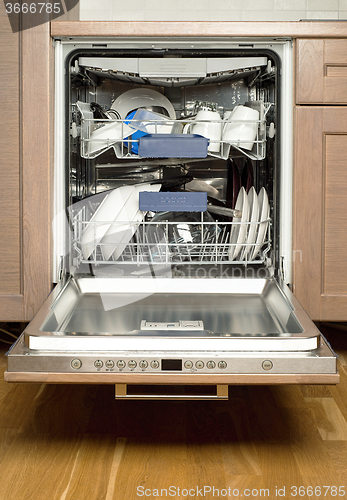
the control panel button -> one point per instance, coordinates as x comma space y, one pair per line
143, 364
267, 364
155, 363
222, 365
121, 363
132, 364
211, 364
98, 363
76, 364
188, 364
109, 363
199, 364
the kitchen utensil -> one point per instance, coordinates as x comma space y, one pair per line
200, 185
225, 212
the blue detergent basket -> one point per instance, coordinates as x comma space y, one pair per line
135, 136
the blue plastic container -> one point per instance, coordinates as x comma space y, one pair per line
173, 146
172, 201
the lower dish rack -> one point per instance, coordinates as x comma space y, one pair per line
165, 242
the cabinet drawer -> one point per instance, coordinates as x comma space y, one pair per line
321, 71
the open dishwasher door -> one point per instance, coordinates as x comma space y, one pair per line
165, 331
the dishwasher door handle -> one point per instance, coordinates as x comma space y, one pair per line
217, 392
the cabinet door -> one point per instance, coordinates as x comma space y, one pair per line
11, 299
25, 139
320, 212
321, 71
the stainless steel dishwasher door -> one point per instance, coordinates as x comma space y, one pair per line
93, 329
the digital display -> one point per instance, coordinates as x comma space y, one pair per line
171, 365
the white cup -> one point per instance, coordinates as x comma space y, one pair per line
241, 127
208, 124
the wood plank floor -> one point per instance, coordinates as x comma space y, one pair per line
77, 443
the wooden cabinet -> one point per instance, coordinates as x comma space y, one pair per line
320, 211
11, 298
320, 178
26, 69
321, 71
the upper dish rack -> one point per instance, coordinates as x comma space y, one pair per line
97, 136
165, 242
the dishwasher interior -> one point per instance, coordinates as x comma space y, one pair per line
167, 238
174, 254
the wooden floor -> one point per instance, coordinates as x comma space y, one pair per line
78, 443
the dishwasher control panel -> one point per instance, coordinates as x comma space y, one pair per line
149, 364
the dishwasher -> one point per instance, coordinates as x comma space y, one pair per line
172, 222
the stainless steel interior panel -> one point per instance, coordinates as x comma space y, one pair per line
237, 315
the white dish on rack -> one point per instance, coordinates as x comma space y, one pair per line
141, 98
125, 224
241, 127
102, 218
123, 236
264, 212
107, 135
253, 219
238, 232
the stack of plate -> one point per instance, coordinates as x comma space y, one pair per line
115, 221
248, 234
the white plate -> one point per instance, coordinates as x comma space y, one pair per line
103, 218
124, 226
238, 232
253, 219
124, 234
141, 98
264, 212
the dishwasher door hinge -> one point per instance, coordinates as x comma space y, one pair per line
281, 270
62, 268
